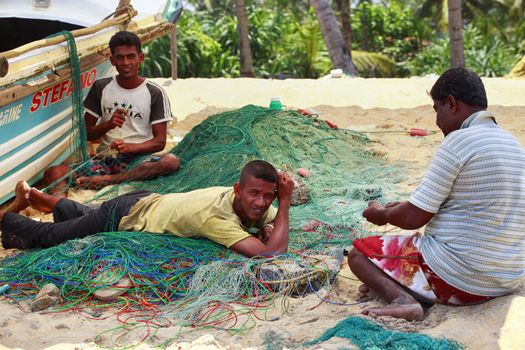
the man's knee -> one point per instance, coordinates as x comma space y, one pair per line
169, 163
354, 257
55, 172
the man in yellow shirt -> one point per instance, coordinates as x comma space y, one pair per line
221, 214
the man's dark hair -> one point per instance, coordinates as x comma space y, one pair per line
465, 85
124, 38
259, 169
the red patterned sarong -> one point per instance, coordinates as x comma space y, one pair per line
399, 257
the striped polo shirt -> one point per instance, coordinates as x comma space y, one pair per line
475, 186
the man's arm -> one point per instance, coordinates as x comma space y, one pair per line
277, 243
404, 215
156, 144
94, 131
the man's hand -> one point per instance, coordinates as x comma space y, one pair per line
264, 233
376, 213
121, 146
284, 189
117, 119
404, 215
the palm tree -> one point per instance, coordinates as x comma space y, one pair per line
339, 53
455, 29
245, 51
344, 8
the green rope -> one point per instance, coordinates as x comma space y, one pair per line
370, 336
78, 144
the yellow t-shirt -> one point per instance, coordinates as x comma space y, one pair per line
205, 213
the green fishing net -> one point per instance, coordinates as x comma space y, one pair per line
196, 281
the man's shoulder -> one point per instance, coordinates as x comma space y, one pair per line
486, 135
102, 82
155, 89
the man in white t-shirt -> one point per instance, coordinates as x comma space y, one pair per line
129, 115
472, 201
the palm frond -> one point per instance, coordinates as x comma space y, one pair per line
377, 63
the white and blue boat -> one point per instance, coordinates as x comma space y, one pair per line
44, 79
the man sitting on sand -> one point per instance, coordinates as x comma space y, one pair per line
221, 214
473, 202
129, 114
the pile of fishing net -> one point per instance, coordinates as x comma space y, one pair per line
195, 280
368, 335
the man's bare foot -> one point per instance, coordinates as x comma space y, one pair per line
367, 294
410, 311
22, 188
41, 201
94, 182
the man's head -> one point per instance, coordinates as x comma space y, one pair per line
126, 54
256, 190
457, 94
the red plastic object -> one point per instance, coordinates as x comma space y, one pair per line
303, 172
418, 132
330, 124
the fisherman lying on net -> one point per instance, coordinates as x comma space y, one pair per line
472, 201
129, 114
221, 214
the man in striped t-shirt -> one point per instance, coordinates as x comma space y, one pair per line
472, 201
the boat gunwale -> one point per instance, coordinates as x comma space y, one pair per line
17, 91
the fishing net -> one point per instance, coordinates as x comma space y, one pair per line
195, 281
368, 335
78, 144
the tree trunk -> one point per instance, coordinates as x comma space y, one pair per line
455, 29
174, 52
244, 41
344, 8
333, 38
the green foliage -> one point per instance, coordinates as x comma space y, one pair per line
393, 30
389, 39
208, 47
373, 64
157, 58
487, 56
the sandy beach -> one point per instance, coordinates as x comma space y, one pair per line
384, 109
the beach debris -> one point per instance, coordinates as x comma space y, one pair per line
112, 292
330, 124
309, 112
48, 296
300, 193
275, 104
111, 283
311, 226
336, 73
4, 288
418, 132
303, 172
298, 278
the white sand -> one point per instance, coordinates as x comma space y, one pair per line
361, 104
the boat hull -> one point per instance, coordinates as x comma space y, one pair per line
35, 131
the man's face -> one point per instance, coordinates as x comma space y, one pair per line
253, 197
127, 60
444, 117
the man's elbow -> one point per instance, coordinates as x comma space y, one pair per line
271, 252
158, 146
91, 136
266, 253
